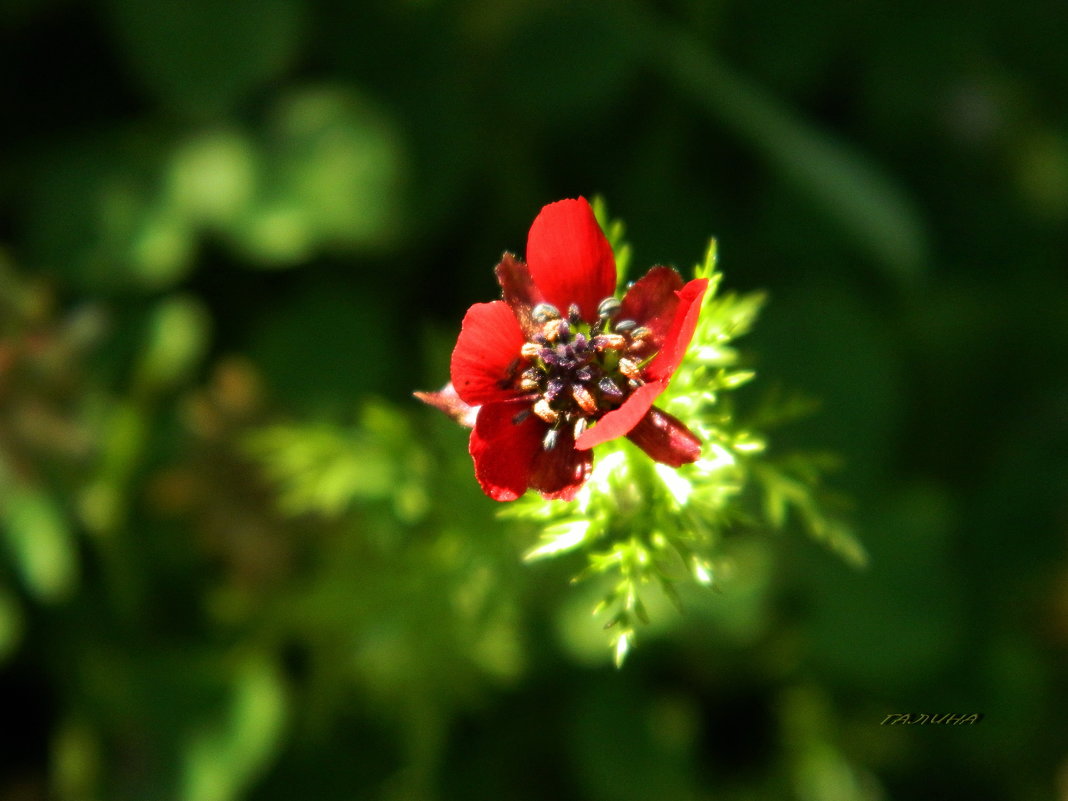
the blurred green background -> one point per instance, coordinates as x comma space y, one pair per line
239, 562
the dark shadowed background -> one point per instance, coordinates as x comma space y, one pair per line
237, 561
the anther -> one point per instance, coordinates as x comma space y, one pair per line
519, 418
544, 312
604, 342
555, 329
630, 368
608, 308
623, 326
530, 380
546, 412
530, 350
583, 374
549, 442
580, 426
583, 398
641, 332
609, 389
574, 314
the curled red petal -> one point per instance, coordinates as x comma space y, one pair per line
570, 258
619, 422
665, 439
509, 457
486, 355
560, 473
678, 337
652, 302
519, 291
503, 451
449, 402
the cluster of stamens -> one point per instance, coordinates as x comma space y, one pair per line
577, 371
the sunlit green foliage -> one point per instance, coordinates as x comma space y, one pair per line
648, 525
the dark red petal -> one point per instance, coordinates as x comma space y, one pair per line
560, 473
652, 302
504, 451
487, 354
673, 348
449, 402
620, 421
570, 258
519, 291
665, 439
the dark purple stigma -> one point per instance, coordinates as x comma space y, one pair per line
553, 389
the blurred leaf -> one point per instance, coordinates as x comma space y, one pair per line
11, 623
176, 339
865, 201
40, 542
212, 176
221, 760
97, 219
573, 39
202, 57
333, 173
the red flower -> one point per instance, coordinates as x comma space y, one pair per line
561, 365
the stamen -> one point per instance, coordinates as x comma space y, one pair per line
546, 412
608, 308
555, 329
530, 380
630, 368
583, 398
609, 389
549, 442
623, 326
544, 312
580, 426
530, 350
583, 374
574, 314
603, 342
641, 332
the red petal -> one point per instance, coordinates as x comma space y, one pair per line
652, 302
487, 354
620, 421
504, 451
509, 456
673, 348
449, 402
665, 439
519, 291
570, 258
561, 472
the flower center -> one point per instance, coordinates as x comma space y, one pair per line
578, 371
